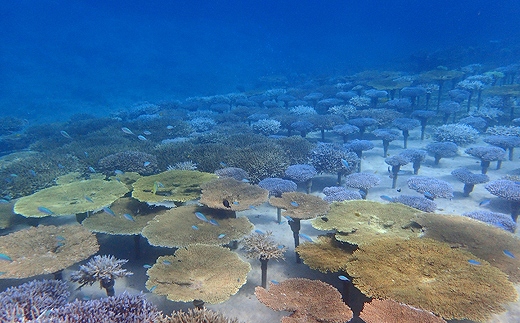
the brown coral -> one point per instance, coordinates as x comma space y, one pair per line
196, 316
299, 205
390, 311
208, 273
432, 276
229, 194
45, 250
326, 254
309, 300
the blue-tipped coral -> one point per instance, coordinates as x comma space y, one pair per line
104, 269
509, 190
330, 158
301, 173
469, 179
417, 202
431, 187
362, 181
500, 220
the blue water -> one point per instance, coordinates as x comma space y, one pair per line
61, 57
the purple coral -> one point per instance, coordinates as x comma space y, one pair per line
331, 158
423, 116
345, 130
487, 155
339, 193
469, 179
387, 136
504, 142
460, 134
362, 181
500, 220
277, 186
442, 150
362, 124
395, 162
405, 125
415, 156
301, 173
417, 202
431, 187
448, 108
234, 172
508, 190
358, 146
129, 161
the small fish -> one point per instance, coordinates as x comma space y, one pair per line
32, 172
274, 282
236, 203
91, 169
159, 184
474, 262
223, 164
295, 204
386, 198
508, 253
325, 219
153, 288
88, 199
398, 190
60, 238
86, 154
245, 180
5, 257
429, 195
343, 278
118, 172
259, 231
226, 203
213, 222
65, 134
147, 132
60, 166
281, 246
146, 163
194, 227
127, 131
129, 217
222, 235
14, 175
141, 137
305, 237
4, 201
252, 207
155, 188
345, 163
167, 262
484, 203
169, 127
45, 210
109, 211
147, 266
201, 217
289, 219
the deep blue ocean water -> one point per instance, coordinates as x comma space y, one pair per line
62, 57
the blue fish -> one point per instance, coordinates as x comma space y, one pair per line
86, 154
474, 262
281, 246
88, 199
259, 231
245, 180
60, 238
295, 204
153, 288
147, 132
386, 198
32, 172
159, 184
118, 172
127, 131
429, 195
485, 202
91, 169
305, 237
4, 201
201, 217
222, 235
147, 266
142, 138
60, 166
223, 164
213, 222
274, 282
252, 207
65, 134
508, 253
194, 227
3, 256
109, 211
146, 163
345, 163
289, 219
129, 217
235, 202
167, 262
45, 210
343, 278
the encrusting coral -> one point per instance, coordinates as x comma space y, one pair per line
45, 250
72, 198
261, 246
310, 301
432, 276
199, 272
104, 269
390, 311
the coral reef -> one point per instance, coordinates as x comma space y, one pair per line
442, 150
301, 173
469, 179
395, 268
390, 311
362, 181
309, 300
459, 134
339, 193
102, 269
129, 161
487, 155
431, 187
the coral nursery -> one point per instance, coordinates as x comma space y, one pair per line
378, 192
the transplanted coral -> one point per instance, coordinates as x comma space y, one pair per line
504, 142
234, 172
170, 187
388, 310
309, 300
102, 269
459, 134
45, 250
396, 162
423, 116
487, 155
180, 227
417, 202
196, 315
229, 194
509, 190
199, 272
432, 276
415, 156
129, 161
431, 187
442, 150
277, 186
345, 130
299, 205
500, 220
469, 179
331, 158
405, 125
326, 254
72, 198
340, 193
362, 181
302, 173
361, 221
387, 135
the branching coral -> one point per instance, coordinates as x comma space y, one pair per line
328, 158
234, 172
459, 134
405, 125
277, 186
301, 173
339, 193
509, 190
500, 220
104, 269
487, 155
310, 300
417, 202
362, 181
469, 179
196, 316
387, 136
504, 142
442, 150
390, 311
431, 187
423, 116
396, 162
345, 130
415, 156
129, 161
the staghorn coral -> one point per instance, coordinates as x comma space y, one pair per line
27, 301
45, 250
129, 161
387, 136
301, 173
326, 254
309, 300
229, 194
390, 311
361, 221
442, 150
459, 134
184, 165
104, 269
198, 272
296, 148
261, 246
431, 187
415, 272
362, 181
500, 220
487, 155
340, 193
469, 179
266, 126
509, 190
325, 122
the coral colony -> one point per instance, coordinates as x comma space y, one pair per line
336, 158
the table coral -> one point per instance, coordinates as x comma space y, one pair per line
229, 194
390, 311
